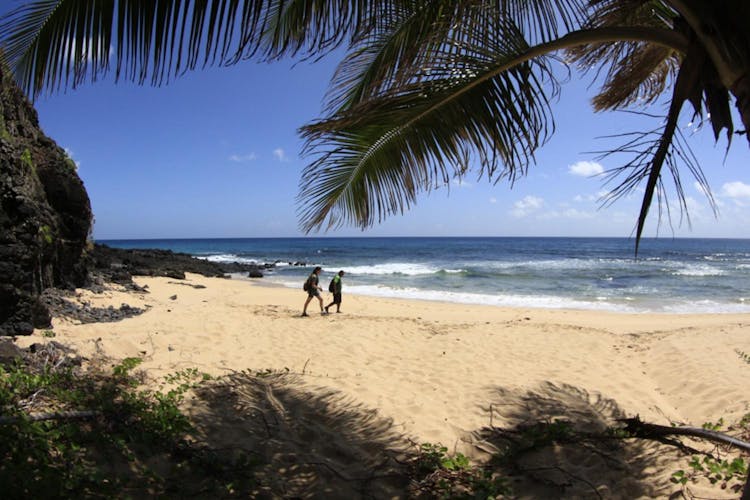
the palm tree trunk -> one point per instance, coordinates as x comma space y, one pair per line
741, 91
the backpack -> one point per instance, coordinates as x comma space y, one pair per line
306, 286
332, 286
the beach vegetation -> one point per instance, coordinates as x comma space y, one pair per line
435, 456
724, 473
70, 163
743, 356
711, 426
545, 433
45, 234
427, 91
66, 433
438, 474
26, 159
719, 469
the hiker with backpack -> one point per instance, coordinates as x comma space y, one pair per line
335, 288
313, 290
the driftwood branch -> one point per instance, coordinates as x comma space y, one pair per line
638, 428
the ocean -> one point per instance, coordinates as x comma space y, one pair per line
669, 275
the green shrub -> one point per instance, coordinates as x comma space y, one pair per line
99, 436
26, 159
440, 475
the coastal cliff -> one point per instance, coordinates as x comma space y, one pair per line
45, 215
45, 223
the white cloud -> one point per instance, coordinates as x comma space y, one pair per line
593, 198
461, 183
280, 154
585, 169
243, 158
573, 213
493, 200
698, 187
736, 189
694, 206
524, 207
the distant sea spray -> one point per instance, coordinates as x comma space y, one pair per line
669, 276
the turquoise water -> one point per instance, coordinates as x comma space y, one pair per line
669, 275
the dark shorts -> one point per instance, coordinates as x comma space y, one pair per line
313, 292
337, 298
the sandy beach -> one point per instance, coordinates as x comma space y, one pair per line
350, 390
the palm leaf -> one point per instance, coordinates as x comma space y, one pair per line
313, 27
398, 47
635, 72
396, 53
465, 89
640, 74
651, 156
60, 43
374, 158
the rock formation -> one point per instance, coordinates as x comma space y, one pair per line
45, 215
45, 221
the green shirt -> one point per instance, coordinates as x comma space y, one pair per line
337, 284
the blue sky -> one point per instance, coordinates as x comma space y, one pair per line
216, 154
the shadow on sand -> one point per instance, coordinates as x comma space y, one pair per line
559, 441
307, 442
552, 442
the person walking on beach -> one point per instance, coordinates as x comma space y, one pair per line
313, 290
335, 288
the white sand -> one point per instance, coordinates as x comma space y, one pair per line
440, 373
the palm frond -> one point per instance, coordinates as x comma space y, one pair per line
399, 47
391, 49
635, 72
640, 148
650, 157
639, 75
543, 20
630, 13
452, 89
312, 27
61, 43
374, 158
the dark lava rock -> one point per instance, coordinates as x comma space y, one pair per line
9, 352
120, 265
62, 305
45, 215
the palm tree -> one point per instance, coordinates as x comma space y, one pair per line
427, 90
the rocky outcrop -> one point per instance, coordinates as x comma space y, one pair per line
45, 215
45, 221
119, 265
